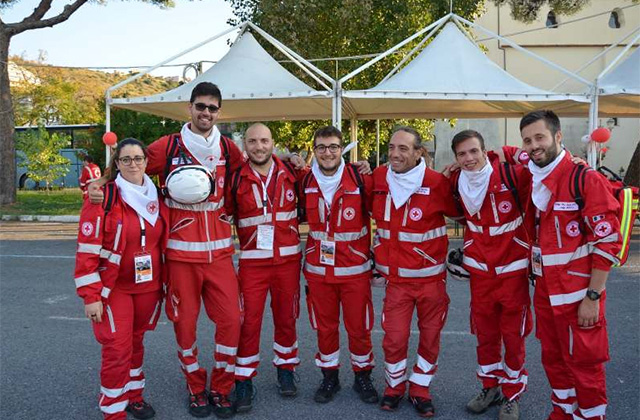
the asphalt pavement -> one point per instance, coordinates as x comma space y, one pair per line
49, 359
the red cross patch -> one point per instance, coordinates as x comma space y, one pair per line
415, 214
87, 228
504, 207
152, 207
573, 229
603, 229
290, 195
221, 182
349, 213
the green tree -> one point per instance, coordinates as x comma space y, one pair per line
36, 20
43, 160
338, 28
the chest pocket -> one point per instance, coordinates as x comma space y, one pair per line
379, 202
349, 206
567, 225
415, 216
314, 200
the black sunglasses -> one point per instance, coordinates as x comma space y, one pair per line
201, 107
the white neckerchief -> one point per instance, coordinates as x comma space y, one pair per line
207, 151
540, 193
403, 186
473, 186
142, 198
328, 183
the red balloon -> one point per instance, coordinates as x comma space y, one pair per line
109, 138
600, 135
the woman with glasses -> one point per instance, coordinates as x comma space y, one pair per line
118, 275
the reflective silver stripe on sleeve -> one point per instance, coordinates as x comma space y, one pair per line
384, 233
87, 280
105, 292
507, 227
198, 246
474, 228
384, 269
110, 256
567, 298
422, 272
204, 206
254, 221
606, 255
89, 248
422, 237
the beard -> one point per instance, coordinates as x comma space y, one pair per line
549, 155
260, 162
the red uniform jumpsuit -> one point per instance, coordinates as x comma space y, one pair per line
496, 254
105, 271
347, 283
410, 247
200, 269
573, 242
90, 173
276, 271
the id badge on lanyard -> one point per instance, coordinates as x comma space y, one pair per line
266, 233
142, 260
328, 252
536, 251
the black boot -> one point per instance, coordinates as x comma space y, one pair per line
244, 396
364, 387
329, 386
286, 383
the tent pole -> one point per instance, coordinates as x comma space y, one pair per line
377, 143
107, 126
622, 53
592, 158
353, 128
338, 122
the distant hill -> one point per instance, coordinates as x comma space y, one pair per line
71, 96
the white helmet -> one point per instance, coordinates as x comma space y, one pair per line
189, 184
454, 265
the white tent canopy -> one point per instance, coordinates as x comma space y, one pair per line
254, 86
452, 77
619, 90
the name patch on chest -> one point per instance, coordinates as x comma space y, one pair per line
310, 190
424, 191
565, 206
181, 161
354, 192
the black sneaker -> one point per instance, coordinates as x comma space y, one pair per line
390, 402
286, 383
423, 406
222, 406
198, 405
141, 410
244, 396
364, 387
329, 386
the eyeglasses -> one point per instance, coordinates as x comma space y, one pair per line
201, 107
321, 148
127, 160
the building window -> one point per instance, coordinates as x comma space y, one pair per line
616, 19
552, 21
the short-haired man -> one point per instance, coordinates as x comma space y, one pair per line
496, 254
574, 246
262, 197
199, 266
90, 172
338, 264
410, 246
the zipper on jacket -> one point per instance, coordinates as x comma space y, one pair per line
321, 209
281, 195
387, 208
424, 255
98, 227
117, 240
558, 236
155, 312
406, 212
495, 209
251, 238
340, 213
524, 322
358, 253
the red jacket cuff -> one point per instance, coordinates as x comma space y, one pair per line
601, 263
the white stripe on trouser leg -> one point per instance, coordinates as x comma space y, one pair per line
484, 370
567, 408
247, 360
596, 411
563, 394
114, 408
228, 367
362, 361
395, 373
191, 368
136, 385
328, 360
424, 365
113, 392
244, 371
291, 361
135, 372
229, 351
282, 349
187, 352
422, 379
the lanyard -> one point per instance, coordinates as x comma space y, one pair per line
143, 233
537, 222
265, 196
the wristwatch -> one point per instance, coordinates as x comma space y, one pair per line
593, 295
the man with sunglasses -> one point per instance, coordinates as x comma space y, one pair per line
199, 250
336, 200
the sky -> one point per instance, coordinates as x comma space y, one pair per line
125, 33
